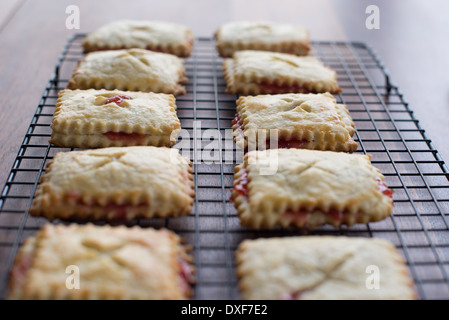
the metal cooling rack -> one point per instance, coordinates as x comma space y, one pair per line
385, 127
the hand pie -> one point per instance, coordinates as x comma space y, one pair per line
102, 118
151, 35
117, 184
322, 268
307, 188
306, 121
113, 263
256, 72
266, 36
131, 69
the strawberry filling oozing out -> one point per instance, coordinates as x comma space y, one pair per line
241, 187
384, 188
281, 143
125, 137
185, 275
273, 88
18, 273
118, 99
291, 295
300, 216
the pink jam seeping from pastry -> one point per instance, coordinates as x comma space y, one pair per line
18, 273
118, 99
300, 216
122, 136
241, 186
125, 137
384, 188
185, 275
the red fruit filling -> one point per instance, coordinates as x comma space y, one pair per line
274, 88
125, 137
118, 99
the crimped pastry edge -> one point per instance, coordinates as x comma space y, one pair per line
76, 82
245, 245
183, 50
57, 206
316, 217
180, 250
73, 134
249, 84
317, 140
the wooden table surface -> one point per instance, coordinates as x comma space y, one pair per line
411, 42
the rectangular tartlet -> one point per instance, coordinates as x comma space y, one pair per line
116, 184
102, 118
157, 36
87, 262
308, 188
252, 72
132, 70
322, 268
306, 121
267, 36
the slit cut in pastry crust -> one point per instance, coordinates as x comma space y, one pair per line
322, 268
265, 36
252, 72
308, 188
87, 262
115, 184
130, 69
304, 121
101, 118
151, 35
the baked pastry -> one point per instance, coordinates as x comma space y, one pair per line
322, 268
112, 263
252, 72
267, 36
295, 120
308, 188
116, 184
130, 69
102, 118
151, 35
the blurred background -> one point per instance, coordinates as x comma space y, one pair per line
411, 41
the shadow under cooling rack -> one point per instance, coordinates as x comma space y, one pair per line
385, 128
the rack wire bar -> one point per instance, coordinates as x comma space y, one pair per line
385, 128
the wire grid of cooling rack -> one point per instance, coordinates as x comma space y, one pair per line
385, 127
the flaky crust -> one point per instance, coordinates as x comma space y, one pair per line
315, 182
151, 35
316, 118
113, 263
130, 69
82, 118
321, 268
115, 183
252, 72
266, 36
